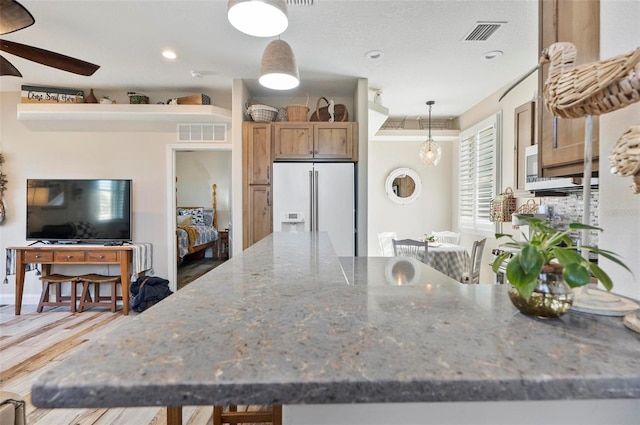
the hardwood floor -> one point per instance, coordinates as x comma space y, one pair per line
191, 270
33, 343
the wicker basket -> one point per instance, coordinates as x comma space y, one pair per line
298, 112
590, 89
503, 206
262, 113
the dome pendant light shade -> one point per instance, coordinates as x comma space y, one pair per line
430, 151
259, 18
279, 70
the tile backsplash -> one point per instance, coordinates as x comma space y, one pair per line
568, 209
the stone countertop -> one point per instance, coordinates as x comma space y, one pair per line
284, 323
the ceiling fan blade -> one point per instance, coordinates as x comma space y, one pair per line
6, 68
13, 16
48, 58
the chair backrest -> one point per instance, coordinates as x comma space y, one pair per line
410, 248
447, 236
386, 246
476, 260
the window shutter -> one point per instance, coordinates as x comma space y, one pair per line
478, 170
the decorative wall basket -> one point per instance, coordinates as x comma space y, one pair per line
503, 206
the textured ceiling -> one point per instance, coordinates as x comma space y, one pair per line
424, 55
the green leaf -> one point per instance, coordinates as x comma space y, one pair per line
530, 259
566, 256
581, 226
602, 276
498, 261
576, 274
520, 278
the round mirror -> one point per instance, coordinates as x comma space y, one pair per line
403, 185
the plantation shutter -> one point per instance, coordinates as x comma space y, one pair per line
478, 182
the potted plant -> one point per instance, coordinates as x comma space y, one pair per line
548, 265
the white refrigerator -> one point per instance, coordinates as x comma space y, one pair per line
316, 197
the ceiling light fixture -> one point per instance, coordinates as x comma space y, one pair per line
278, 69
259, 18
169, 54
430, 152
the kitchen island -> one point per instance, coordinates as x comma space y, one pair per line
288, 322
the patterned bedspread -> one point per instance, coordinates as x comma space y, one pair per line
205, 235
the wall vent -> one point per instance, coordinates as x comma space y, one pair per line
483, 30
202, 132
300, 2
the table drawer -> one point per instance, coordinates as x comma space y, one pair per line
38, 256
69, 256
102, 256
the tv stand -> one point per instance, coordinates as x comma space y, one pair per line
73, 255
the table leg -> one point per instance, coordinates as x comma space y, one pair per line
125, 276
20, 266
174, 415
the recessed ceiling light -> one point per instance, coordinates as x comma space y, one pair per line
494, 54
169, 54
374, 55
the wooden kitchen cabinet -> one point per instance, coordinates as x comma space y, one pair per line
561, 141
524, 137
256, 192
315, 141
258, 213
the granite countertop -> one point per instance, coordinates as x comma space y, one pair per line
288, 322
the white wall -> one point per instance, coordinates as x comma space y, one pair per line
196, 172
619, 207
430, 211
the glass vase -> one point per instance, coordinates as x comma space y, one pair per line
552, 297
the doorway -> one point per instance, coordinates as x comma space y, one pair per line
193, 170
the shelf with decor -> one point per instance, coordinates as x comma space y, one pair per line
121, 112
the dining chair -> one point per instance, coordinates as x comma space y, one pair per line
386, 245
447, 236
475, 262
410, 248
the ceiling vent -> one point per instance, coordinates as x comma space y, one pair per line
483, 30
300, 2
202, 132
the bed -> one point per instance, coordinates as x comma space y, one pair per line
196, 228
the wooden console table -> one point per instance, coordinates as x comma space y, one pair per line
73, 254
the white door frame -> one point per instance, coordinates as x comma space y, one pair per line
171, 200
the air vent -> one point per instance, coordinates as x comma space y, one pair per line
483, 30
202, 132
300, 2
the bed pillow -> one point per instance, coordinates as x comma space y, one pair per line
197, 214
184, 220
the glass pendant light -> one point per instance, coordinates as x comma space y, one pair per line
430, 151
259, 18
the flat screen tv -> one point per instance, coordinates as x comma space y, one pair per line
83, 211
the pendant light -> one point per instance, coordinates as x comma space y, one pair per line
278, 69
259, 18
430, 151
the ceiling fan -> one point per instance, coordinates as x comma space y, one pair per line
14, 17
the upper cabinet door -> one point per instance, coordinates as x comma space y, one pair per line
561, 141
257, 145
334, 141
293, 140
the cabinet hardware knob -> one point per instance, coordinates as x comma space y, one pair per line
311, 152
37, 256
69, 257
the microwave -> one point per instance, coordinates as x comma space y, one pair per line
535, 183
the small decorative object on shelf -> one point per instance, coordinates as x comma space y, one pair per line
543, 271
91, 98
625, 156
3, 187
37, 94
105, 100
137, 98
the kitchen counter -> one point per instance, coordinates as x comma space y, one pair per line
288, 322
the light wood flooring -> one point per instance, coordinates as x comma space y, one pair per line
33, 343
